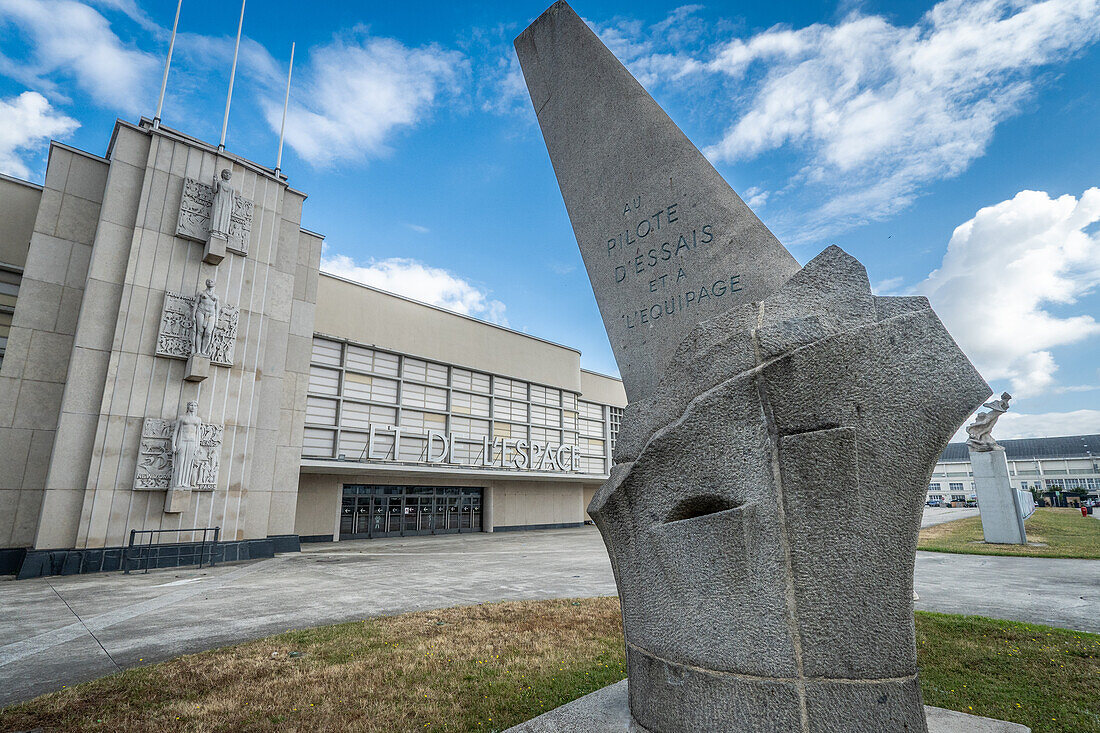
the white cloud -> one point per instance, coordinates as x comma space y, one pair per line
356, 92
26, 122
1004, 269
1047, 424
71, 39
421, 282
657, 53
756, 197
130, 9
418, 228
879, 110
888, 286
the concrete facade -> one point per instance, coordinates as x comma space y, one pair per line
88, 259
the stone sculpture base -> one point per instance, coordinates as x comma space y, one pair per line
215, 250
1002, 520
198, 368
176, 500
608, 711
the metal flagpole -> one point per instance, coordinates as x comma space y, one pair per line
232, 75
167, 63
286, 103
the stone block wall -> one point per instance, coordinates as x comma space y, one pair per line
40, 347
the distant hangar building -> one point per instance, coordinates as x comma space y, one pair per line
1051, 466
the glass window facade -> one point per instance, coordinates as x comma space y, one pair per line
353, 388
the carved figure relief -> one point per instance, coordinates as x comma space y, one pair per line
182, 334
185, 447
163, 447
221, 208
217, 208
204, 315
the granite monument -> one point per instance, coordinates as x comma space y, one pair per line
782, 425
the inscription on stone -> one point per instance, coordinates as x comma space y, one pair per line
194, 216
655, 250
665, 240
154, 467
177, 325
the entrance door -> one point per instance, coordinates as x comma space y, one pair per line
402, 511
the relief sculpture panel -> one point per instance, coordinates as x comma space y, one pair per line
154, 467
195, 212
177, 324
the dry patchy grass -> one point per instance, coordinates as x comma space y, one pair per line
1056, 533
483, 667
488, 667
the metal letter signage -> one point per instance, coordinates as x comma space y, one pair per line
176, 326
154, 467
194, 216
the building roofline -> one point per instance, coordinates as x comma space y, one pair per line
449, 312
145, 125
78, 151
20, 181
1061, 447
601, 374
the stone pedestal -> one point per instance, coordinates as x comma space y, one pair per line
198, 368
214, 252
607, 711
176, 500
1002, 521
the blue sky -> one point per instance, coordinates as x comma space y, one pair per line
950, 146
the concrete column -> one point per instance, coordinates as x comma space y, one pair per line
487, 509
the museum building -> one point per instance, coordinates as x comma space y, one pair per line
172, 359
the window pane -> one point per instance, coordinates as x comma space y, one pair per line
357, 415
363, 387
509, 410
324, 381
546, 435
321, 411
463, 403
423, 421
469, 427
318, 443
326, 352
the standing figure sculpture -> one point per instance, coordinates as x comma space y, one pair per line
185, 447
221, 210
981, 430
204, 317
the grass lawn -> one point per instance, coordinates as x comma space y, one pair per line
488, 667
1062, 532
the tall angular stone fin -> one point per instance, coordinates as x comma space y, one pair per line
666, 241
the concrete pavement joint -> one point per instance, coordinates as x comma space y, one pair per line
36, 644
90, 633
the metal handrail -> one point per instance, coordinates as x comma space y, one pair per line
147, 551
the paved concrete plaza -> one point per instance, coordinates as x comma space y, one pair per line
57, 631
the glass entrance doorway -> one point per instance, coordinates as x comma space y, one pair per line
403, 511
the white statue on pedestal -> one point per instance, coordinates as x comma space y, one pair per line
205, 319
185, 447
981, 430
221, 209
